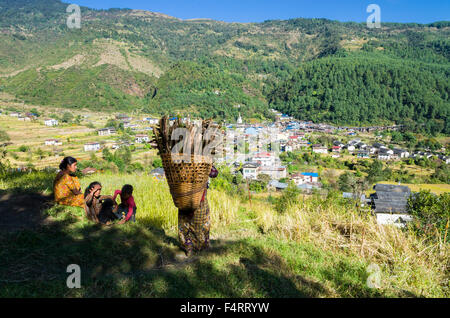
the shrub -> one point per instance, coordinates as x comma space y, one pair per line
288, 198
67, 117
157, 163
441, 174
4, 136
431, 212
24, 148
256, 186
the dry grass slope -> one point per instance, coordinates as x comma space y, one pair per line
407, 262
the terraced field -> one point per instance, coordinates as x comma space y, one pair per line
33, 135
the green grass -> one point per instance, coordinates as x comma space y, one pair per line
318, 248
139, 261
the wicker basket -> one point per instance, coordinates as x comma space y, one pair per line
187, 180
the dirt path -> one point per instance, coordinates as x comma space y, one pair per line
22, 211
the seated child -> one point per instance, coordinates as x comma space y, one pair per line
99, 207
126, 210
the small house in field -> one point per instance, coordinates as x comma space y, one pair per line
378, 145
141, 139
53, 142
92, 146
14, 114
151, 121
106, 131
390, 204
320, 149
337, 149
400, 153
338, 143
127, 124
50, 122
24, 118
385, 154
32, 116
363, 154
444, 159
351, 148
123, 117
305, 177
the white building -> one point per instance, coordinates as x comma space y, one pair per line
320, 149
372, 150
400, 153
123, 117
396, 219
250, 170
239, 120
140, 139
265, 159
24, 118
51, 122
385, 153
444, 159
305, 177
275, 173
151, 121
289, 147
106, 131
92, 146
351, 148
53, 142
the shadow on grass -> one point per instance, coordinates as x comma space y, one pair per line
133, 260
138, 261
19, 211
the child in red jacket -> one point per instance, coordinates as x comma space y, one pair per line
126, 210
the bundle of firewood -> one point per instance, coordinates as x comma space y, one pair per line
187, 179
196, 135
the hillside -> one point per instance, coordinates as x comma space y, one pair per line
189, 87
318, 247
129, 58
367, 90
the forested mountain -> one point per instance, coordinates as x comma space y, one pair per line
357, 90
312, 68
192, 88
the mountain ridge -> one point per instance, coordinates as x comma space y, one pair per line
263, 55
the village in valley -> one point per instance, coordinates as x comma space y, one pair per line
262, 154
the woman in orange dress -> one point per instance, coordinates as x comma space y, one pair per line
67, 187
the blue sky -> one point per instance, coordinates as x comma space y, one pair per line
420, 11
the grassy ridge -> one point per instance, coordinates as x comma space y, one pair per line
320, 247
104, 87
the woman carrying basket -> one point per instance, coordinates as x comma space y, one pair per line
188, 179
194, 226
